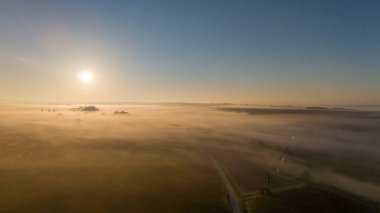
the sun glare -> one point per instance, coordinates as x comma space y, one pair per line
86, 76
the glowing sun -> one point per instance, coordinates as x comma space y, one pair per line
86, 76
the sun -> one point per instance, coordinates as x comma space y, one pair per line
86, 77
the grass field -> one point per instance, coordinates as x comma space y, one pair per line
156, 158
308, 199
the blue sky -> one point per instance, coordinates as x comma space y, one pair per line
264, 52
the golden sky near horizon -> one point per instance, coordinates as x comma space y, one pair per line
280, 54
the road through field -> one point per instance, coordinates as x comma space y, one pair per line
235, 202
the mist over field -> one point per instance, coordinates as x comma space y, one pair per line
158, 157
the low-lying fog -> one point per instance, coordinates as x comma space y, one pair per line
159, 146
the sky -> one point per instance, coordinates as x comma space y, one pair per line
283, 52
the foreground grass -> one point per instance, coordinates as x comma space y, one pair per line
153, 188
309, 199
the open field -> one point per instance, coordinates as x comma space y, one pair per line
308, 199
343, 142
157, 158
